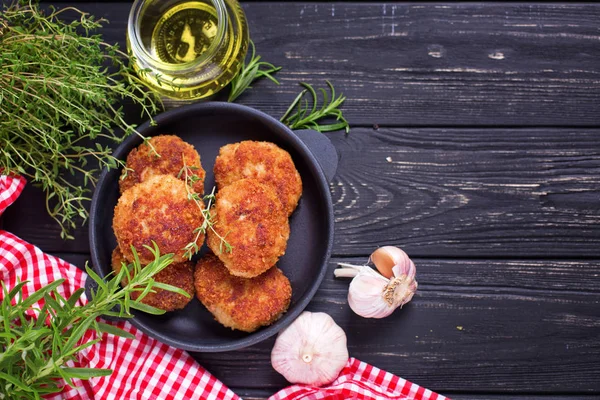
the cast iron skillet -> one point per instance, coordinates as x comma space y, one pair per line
208, 126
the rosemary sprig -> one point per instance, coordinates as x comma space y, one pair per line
251, 72
35, 354
60, 90
300, 115
208, 220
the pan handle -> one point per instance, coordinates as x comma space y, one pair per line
323, 150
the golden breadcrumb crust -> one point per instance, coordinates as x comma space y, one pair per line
240, 303
158, 210
143, 163
263, 161
251, 218
176, 274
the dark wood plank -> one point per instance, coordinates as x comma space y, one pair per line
427, 64
445, 192
545, 274
469, 192
519, 326
27, 218
78, 260
459, 336
438, 64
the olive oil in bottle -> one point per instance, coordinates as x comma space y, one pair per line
184, 32
188, 49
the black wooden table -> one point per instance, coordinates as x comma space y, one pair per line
475, 146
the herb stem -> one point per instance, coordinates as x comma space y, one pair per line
251, 72
36, 354
208, 219
302, 114
58, 94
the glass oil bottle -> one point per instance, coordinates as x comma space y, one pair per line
187, 50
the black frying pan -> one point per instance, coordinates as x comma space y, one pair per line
208, 126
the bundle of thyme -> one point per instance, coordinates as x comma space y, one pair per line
35, 354
60, 90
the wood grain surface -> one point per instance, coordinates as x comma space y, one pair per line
475, 145
469, 192
426, 64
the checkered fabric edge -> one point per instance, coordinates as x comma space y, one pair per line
10, 189
359, 380
143, 368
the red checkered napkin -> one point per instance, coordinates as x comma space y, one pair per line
359, 380
144, 368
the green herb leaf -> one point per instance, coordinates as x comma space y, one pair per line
251, 72
146, 308
113, 330
75, 296
40, 293
35, 353
302, 114
171, 288
86, 373
57, 98
15, 382
79, 331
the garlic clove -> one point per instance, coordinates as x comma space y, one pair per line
387, 257
311, 351
405, 269
365, 296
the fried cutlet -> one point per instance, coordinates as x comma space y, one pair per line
176, 274
158, 210
263, 161
251, 218
143, 163
239, 303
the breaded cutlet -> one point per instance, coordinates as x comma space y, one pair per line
251, 218
264, 161
239, 303
157, 209
143, 163
176, 274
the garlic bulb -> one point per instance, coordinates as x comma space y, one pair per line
372, 295
311, 351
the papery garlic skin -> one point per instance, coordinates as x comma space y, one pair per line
311, 351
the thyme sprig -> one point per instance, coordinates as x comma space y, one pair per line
300, 115
60, 90
251, 72
208, 218
36, 353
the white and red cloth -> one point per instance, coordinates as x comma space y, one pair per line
144, 368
